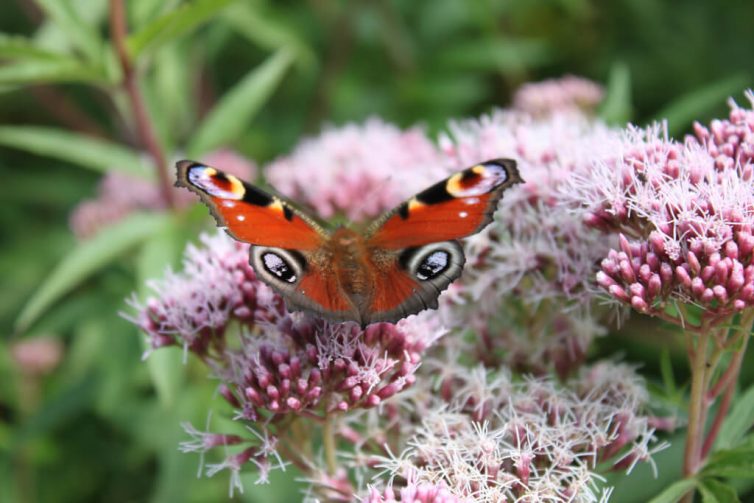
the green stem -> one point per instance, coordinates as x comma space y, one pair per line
696, 406
328, 442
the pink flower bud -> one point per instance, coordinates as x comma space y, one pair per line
636, 289
272, 392
639, 304
645, 272
293, 403
654, 286
731, 249
697, 286
253, 396
604, 280
707, 273
625, 245
666, 272
355, 394
721, 293
707, 295
693, 262
619, 293
626, 271
682, 276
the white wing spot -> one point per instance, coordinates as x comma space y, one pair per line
240, 218
463, 214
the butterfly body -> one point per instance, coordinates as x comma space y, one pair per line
398, 266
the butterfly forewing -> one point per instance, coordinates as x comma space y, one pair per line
457, 207
248, 213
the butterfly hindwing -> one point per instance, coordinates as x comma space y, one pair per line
248, 213
302, 279
458, 206
413, 280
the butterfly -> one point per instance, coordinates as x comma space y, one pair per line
397, 266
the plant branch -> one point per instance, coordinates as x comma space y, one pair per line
727, 382
328, 443
147, 135
696, 406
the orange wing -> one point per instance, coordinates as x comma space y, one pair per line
413, 280
458, 206
248, 213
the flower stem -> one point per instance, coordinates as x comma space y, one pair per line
692, 453
328, 442
146, 132
727, 382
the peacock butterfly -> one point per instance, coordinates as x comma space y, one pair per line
396, 267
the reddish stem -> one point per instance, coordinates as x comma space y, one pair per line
147, 135
728, 382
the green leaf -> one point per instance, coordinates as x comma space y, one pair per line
616, 107
49, 71
674, 492
666, 368
174, 24
85, 151
739, 421
732, 463
64, 406
86, 259
82, 34
17, 47
500, 54
682, 111
714, 491
162, 250
261, 29
232, 114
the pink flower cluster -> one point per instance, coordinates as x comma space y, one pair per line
538, 251
485, 437
302, 363
193, 308
685, 214
286, 362
359, 171
120, 195
421, 492
565, 94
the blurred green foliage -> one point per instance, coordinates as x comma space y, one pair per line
258, 75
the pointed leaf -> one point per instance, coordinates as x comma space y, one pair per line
714, 491
501, 54
166, 366
674, 493
87, 258
264, 30
17, 47
681, 112
616, 107
88, 152
174, 24
739, 421
232, 114
82, 34
49, 71
732, 463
